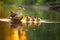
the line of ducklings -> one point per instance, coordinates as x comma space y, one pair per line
27, 20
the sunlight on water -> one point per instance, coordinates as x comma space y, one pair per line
24, 21
23, 35
15, 35
5, 20
45, 21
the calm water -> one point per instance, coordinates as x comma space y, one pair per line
45, 31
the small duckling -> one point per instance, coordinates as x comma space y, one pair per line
28, 18
33, 18
37, 19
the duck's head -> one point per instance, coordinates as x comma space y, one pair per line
21, 8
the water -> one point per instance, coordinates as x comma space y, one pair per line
48, 30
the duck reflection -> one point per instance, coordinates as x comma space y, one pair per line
20, 26
19, 31
16, 24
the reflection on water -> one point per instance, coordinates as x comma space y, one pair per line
23, 35
9, 33
45, 31
18, 33
15, 34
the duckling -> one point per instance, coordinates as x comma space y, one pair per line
33, 18
37, 19
28, 18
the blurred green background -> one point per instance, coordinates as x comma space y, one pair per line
43, 32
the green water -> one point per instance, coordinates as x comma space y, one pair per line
45, 31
